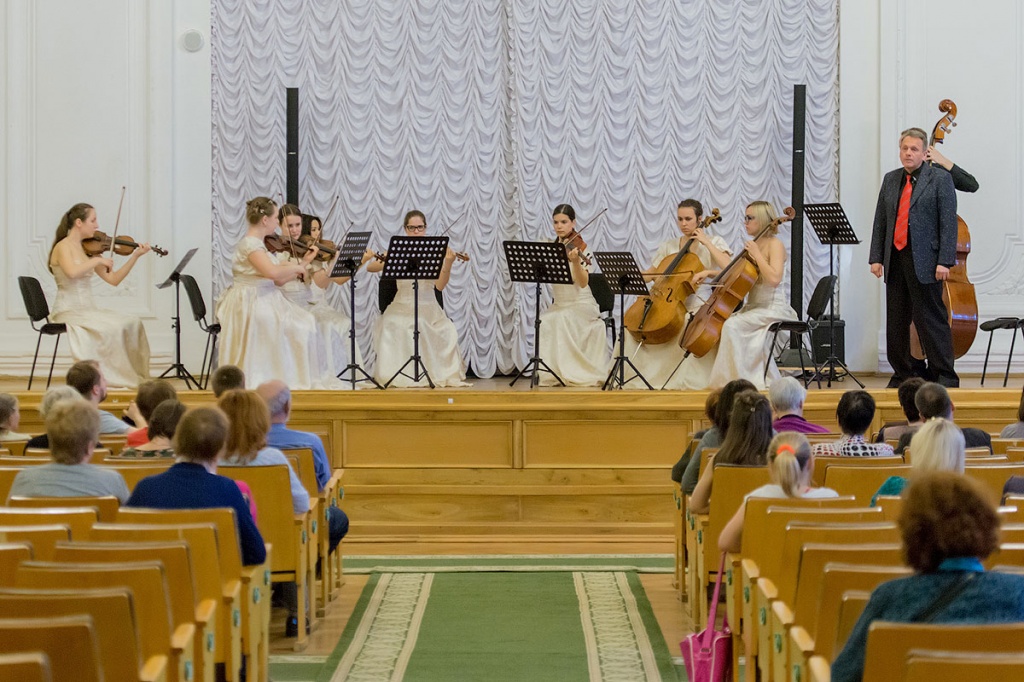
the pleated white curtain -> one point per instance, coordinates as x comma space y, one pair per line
498, 110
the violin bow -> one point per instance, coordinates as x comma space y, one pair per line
117, 222
452, 224
591, 221
330, 212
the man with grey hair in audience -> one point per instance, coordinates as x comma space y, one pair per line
932, 400
51, 398
279, 401
786, 396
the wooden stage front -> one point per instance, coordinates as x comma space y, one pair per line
463, 465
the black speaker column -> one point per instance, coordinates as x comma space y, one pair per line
292, 146
796, 285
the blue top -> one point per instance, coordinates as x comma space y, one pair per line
893, 485
282, 438
989, 598
191, 486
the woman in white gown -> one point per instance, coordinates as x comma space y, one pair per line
573, 340
262, 332
744, 345
439, 340
658, 361
116, 340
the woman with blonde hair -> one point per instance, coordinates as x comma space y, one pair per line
790, 465
10, 417
939, 445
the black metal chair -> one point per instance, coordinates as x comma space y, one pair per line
605, 298
387, 289
195, 299
37, 309
1011, 323
816, 309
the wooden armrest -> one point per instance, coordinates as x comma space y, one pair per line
782, 611
801, 640
206, 611
768, 591
154, 669
751, 571
820, 670
181, 638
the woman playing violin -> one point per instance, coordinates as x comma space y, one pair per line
263, 333
118, 341
439, 340
573, 340
657, 361
743, 348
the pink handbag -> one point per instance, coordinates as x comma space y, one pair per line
707, 655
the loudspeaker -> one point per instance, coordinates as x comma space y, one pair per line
292, 146
820, 340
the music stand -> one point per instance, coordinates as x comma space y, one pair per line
415, 258
539, 263
833, 228
180, 372
350, 257
623, 275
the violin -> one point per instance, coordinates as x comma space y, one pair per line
732, 285
574, 241
279, 243
659, 318
122, 245
326, 250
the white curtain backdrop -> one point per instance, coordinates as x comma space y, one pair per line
498, 110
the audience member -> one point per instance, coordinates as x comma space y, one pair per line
52, 396
936, 446
193, 483
790, 465
149, 394
1016, 430
933, 400
710, 405
716, 434
787, 396
86, 378
855, 412
906, 393
226, 378
948, 526
163, 422
746, 444
73, 430
10, 416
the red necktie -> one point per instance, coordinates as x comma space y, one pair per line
899, 240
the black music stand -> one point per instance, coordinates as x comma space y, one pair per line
180, 372
623, 275
415, 258
539, 263
350, 257
833, 228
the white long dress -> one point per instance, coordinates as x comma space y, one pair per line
573, 338
743, 348
117, 341
262, 332
439, 340
657, 361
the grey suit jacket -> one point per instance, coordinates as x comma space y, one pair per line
932, 221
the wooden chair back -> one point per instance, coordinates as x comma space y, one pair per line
821, 464
1001, 445
22, 461
42, 539
994, 476
851, 606
813, 438
7, 474
301, 460
891, 506
98, 454
889, 644
106, 506
70, 643
861, 481
11, 556
78, 519
729, 485
1015, 453
705, 455
15, 447
30, 666
1011, 533
113, 444
756, 540
133, 473
813, 559
929, 666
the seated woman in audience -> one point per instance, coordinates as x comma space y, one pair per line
716, 434
906, 393
790, 465
160, 432
948, 526
787, 396
193, 483
147, 397
855, 412
746, 444
710, 404
9, 418
1016, 430
937, 446
50, 399
73, 429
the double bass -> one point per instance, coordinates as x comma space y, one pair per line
659, 318
731, 286
957, 291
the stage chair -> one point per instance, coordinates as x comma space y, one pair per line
106, 506
42, 539
861, 481
148, 584
78, 519
245, 589
927, 666
817, 306
186, 607
37, 309
993, 476
823, 463
115, 622
889, 644
195, 299
990, 326
289, 533
70, 643
33, 666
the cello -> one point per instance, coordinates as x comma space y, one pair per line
957, 291
659, 318
732, 285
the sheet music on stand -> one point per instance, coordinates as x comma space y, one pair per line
350, 254
624, 277
178, 269
350, 257
178, 367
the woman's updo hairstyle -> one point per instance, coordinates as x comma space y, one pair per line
259, 208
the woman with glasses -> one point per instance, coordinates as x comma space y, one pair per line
439, 341
744, 346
